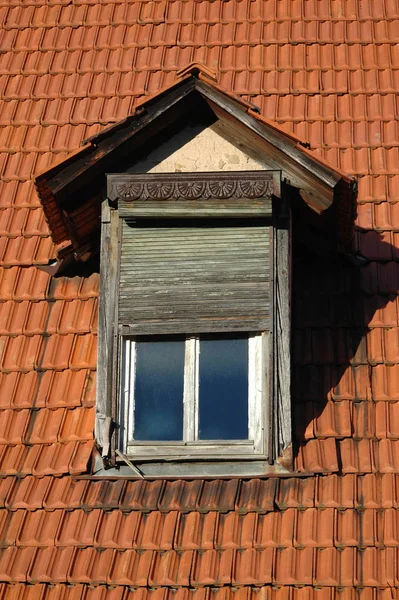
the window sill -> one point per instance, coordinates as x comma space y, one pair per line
193, 469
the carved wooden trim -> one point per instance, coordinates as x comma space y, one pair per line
193, 186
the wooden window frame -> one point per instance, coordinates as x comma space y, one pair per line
190, 446
277, 455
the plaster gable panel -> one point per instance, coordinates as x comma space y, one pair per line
198, 148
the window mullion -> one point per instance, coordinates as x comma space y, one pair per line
189, 401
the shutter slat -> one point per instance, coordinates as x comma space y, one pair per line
244, 207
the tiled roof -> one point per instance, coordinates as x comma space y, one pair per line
326, 71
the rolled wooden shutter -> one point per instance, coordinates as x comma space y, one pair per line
183, 267
188, 279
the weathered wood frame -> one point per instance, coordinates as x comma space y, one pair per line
277, 436
191, 446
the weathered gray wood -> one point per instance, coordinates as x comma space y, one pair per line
215, 186
214, 278
107, 303
319, 193
196, 209
288, 146
198, 325
282, 422
90, 163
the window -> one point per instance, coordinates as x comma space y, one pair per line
189, 331
199, 394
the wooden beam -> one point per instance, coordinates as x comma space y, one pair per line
85, 167
107, 306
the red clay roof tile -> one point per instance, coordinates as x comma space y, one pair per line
178, 495
156, 531
64, 493
170, 568
253, 567
139, 495
117, 529
129, 567
15, 563
50, 564
275, 529
196, 531
293, 565
212, 567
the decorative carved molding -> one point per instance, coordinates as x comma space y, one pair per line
191, 186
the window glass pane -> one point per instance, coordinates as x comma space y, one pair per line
158, 414
223, 389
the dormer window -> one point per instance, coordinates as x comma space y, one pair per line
188, 292
235, 301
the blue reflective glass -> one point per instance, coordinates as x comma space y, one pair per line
158, 410
223, 389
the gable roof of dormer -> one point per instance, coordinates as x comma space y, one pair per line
71, 191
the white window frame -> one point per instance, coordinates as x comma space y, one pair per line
191, 447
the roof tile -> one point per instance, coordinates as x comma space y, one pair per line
44, 426
212, 567
117, 529
314, 528
57, 352
77, 528
12, 459
50, 564
7, 484
235, 530
65, 493
253, 567
355, 528
65, 388
15, 563
275, 529
386, 452
57, 459
77, 425
218, 495
356, 456
157, 531
256, 495
129, 567
140, 495
11, 526
13, 424
375, 566
27, 493
334, 567
296, 493
104, 494
318, 456
196, 531
336, 491
293, 566
89, 566
386, 419
178, 495
39, 528
171, 568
